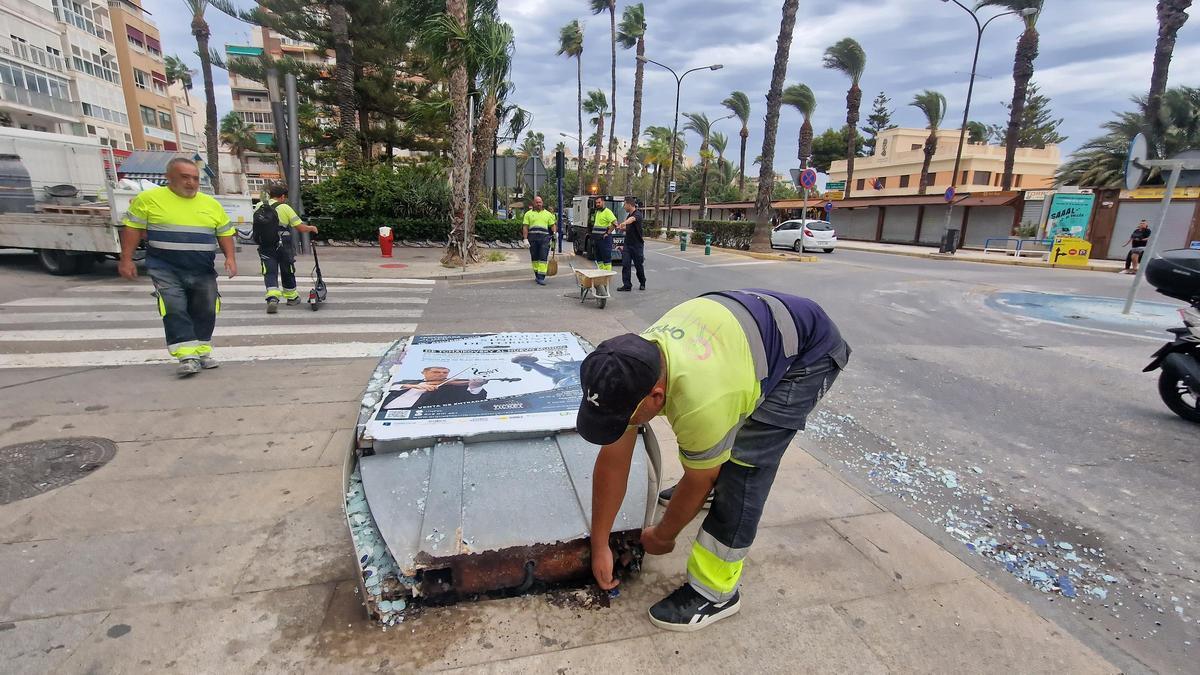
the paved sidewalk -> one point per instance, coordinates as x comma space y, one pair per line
972, 255
364, 262
214, 542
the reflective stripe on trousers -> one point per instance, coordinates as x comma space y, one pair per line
539, 252
188, 303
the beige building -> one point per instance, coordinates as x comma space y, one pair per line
895, 168
35, 82
151, 110
189, 118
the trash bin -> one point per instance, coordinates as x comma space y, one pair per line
385, 241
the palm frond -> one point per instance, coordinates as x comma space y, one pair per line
801, 97
570, 39
933, 105
738, 104
632, 26
848, 57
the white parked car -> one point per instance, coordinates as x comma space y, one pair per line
802, 235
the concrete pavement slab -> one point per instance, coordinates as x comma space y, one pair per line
173, 458
310, 544
802, 495
965, 626
634, 655
339, 444
896, 548
43, 645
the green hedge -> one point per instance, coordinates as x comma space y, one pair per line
498, 230
725, 233
411, 229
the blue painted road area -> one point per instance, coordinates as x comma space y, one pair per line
1100, 314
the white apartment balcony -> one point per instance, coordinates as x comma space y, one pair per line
22, 99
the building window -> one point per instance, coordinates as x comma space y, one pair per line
154, 146
862, 183
255, 185
931, 178
153, 47
916, 146
185, 124
148, 116
91, 130
141, 79
164, 120
136, 38
160, 88
981, 178
882, 182
15, 75
1017, 180
904, 181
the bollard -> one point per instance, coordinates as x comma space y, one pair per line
385, 241
708, 244
683, 237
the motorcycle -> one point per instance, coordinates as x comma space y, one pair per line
1176, 274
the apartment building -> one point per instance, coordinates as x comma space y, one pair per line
189, 118
895, 168
35, 85
151, 110
91, 56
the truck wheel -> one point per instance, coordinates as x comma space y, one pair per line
58, 263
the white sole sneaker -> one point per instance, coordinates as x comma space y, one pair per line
704, 622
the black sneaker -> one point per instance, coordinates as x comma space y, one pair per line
625, 289
685, 610
272, 306
642, 287
665, 496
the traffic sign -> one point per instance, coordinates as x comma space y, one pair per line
828, 207
671, 186
808, 179
950, 194
836, 195
1070, 251
835, 185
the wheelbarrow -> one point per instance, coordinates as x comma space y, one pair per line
594, 284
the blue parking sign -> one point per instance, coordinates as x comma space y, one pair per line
828, 207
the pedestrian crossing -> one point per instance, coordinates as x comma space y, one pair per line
116, 323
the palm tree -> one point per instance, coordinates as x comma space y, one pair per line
1027, 51
177, 71
460, 248
238, 137
802, 98
632, 33
570, 44
599, 7
739, 104
718, 142
202, 34
343, 77
933, 105
699, 124
847, 57
655, 153
1172, 14
596, 105
490, 48
766, 170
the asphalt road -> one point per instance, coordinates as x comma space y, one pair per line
1019, 440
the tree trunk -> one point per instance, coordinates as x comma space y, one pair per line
461, 247
654, 194
806, 139
631, 158
703, 184
1172, 14
853, 101
364, 122
200, 30
742, 160
579, 163
485, 134
1027, 51
599, 146
339, 25
930, 150
612, 124
766, 170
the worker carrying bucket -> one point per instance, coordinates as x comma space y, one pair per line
737, 373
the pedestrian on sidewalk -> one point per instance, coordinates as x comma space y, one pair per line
538, 228
276, 246
736, 373
183, 229
1139, 239
602, 229
633, 252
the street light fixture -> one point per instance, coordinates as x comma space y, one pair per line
675, 127
950, 241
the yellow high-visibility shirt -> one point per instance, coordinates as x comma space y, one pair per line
181, 232
603, 220
539, 221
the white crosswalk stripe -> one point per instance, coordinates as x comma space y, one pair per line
115, 324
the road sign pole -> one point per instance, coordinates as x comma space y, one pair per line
1154, 236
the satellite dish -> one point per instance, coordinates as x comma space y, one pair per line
1135, 173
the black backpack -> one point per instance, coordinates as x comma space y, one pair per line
266, 226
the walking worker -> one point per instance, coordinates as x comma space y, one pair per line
276, 246
183, 229
602, 229
736, 373
1138, 241
538, 228
633, 253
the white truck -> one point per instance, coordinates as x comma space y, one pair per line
55, 196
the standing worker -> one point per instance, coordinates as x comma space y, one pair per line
276, 247
538, 228
634, 251
602, 227
736, 373
183, 229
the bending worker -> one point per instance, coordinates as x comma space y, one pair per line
183, 228
736, 373
278, 255
538, 228
602, 229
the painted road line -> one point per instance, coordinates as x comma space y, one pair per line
344, 350
140, 300
676, 257
80, 335
304, 314
257, 289
253, 279
751, 262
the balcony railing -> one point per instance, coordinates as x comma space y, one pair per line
41, 57
161, 134
33, 99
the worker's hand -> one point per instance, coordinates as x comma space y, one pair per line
602, 568
654, 544
127, 269
312, 229
476, 382
231, 267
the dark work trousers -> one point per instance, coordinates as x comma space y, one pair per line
1139, 251
715, 565
634, 256
539, 253
602, 248
188, 303
280, 262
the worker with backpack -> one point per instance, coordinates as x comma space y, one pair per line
274, 221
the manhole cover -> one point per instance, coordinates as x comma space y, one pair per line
29, 469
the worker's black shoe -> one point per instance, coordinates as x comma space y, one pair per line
272, 306
665, 496
642, 287
685, 610
540, 282
293, 301
625, 289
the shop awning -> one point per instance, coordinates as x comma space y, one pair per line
135, 33
995, 199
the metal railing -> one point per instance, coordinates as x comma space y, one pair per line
33, 99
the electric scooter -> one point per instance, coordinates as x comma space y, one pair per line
317, 295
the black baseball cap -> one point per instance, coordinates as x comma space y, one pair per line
615, 378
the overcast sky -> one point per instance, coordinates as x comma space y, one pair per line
1095, 54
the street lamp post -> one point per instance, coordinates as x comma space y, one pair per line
950, 241
675, 127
